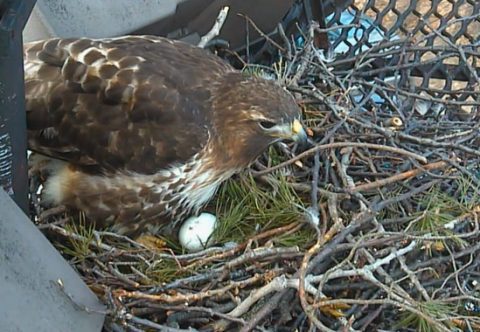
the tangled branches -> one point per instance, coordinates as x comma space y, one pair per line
382, 229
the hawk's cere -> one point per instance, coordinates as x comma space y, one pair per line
140, 131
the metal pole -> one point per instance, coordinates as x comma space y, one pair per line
13, 143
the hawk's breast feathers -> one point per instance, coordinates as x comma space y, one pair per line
145, 128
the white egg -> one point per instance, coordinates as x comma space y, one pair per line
196, 232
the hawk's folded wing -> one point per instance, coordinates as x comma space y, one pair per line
131, 103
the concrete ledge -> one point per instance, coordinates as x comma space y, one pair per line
94, 18
31, 296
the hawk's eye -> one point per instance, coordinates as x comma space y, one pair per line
267, 124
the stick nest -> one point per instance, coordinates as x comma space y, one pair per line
374, 226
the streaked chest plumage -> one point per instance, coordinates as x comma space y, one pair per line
136, 203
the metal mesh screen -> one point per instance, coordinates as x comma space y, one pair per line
427, 46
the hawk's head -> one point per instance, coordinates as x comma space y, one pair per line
251, 114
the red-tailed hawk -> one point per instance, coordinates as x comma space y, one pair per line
145, 128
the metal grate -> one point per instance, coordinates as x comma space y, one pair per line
430, 46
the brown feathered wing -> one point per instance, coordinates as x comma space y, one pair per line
133, 103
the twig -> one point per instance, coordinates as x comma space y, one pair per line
341, 145
215, 30
398, 177
188, 298
155, 326
249, 20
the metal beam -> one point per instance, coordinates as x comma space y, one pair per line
13, 143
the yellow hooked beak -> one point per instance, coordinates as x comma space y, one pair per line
299, 134
293, 131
